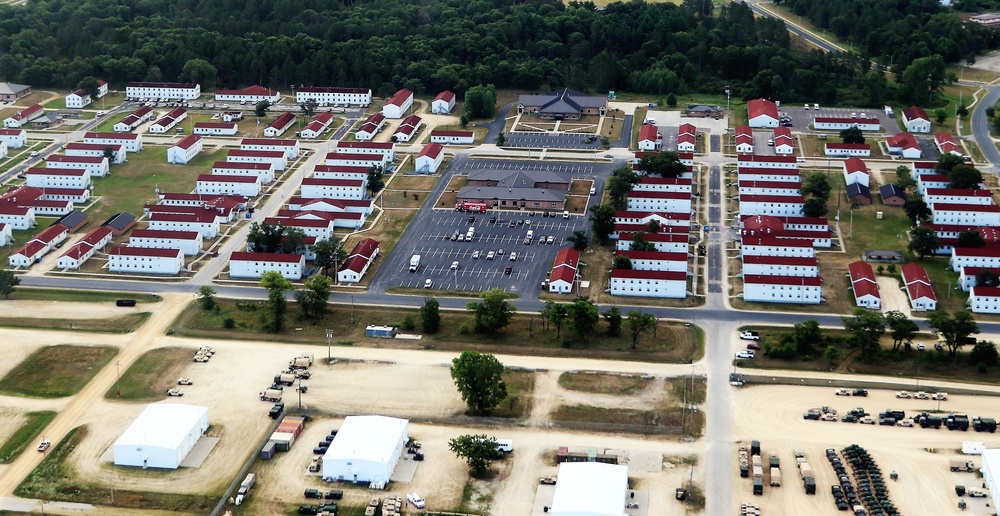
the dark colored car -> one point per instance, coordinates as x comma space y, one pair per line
308, 509
313, 493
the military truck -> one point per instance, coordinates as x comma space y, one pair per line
957, 422
984, 424
276, 410
961, 465
284, 379
273, 395
926, 420
245, 486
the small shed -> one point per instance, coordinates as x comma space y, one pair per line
268, 451
120, 223
881, 256
892, 195
859, 193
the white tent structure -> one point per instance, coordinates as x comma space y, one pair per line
991, 473
161, 436
366, 449
590, 489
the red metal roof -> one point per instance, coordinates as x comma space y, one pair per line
36, 171
216, 125
400, 97
384, 146
240, 165
915, 113
269, 143
110, 136
856, 146
943, 206
652, 275
654, 255
756, 158
431, 150
672, 238
981, 252
959, 192
846, 120
227, 178
657, 194
446, 96
861, 271
902, 140
283, 121
165, 234
778, 185
649, 133
762, 279
145, 251
758, 107
855, 164
249, 90
91, 146
312, 181
342, 169
865, 288
328, 89
188, 141
175, 85
354, 156
567, 257
461, 134
802, 261
59, 158
782, 133
255, 153
772, 241
978, 291
775, 199
365, 248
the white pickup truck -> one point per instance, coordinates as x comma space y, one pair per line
749, 335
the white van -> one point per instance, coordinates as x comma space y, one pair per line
505, 445
565, 214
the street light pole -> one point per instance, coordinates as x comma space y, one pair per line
329, 336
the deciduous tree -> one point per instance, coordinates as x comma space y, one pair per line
207, 296
901, 327
923, 241
314, 299
584, 316
602, 221
638, 323
479, 379
614, 318
494, 313
430, 316
478, 451
276, 286
8, 282
866, 328
955, 329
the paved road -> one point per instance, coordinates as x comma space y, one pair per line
811, 37
497, 124
981, 126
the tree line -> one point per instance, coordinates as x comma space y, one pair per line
429, 46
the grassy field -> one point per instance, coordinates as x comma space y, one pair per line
18, 442
151, 375
56, 371
54, 479
920, 364
520, 391
123, 324
673, 343
130, 186
80, 296
604, 383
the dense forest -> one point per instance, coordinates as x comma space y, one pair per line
429, 45
897, 33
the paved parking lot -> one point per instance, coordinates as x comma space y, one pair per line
669, 135
550, 141
760, 138
802, 118
438, 252
576, 170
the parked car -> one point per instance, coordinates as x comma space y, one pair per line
550, 239
183, 381
849, 418
454, 266
507, 270
308, 509
860, 392
44, 445
429, 283
749, 335
313, 493
548, 481
939, 396
828, 417
753, 346
843, 392
908, 423
415, 500
745, 353
921, 395
491, 255
904, 395
475, 255
174, 392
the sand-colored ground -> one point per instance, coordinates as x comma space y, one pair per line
68, 310
773, 415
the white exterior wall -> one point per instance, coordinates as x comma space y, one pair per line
392, 111
207, 229
779, 209
179, 156
96, 169
217, 131
26, 221
117, 156
656, 204
458, 140
744, 148
918, 125
792, 189
856, 177
3, 149
188, 247
560, 287
967, 218
225, 97
636, 287
442, 107
764, 176
146, 264
770, 250
767, 293
429, 164
923, 304
640, 264
834, 152
169, 93
784, 148
266, 176
291, 151
958, 199
223, 188
984, 304
663, 247
276, 163
15, 141
959, 262
353, 99
160, 456
763, 121
256, 269
332, 192
860, 123
163, 125
74, 101
131, 144
5, 234
778, 269
57, 181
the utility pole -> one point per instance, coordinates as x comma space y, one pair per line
300, 394
118, 369
329, 336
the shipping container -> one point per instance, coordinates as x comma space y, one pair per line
758, 472
283, 441
775, 477
380, 332
267, 452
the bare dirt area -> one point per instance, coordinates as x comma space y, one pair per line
66, 310
773, 415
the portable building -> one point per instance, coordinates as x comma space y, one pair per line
161, 436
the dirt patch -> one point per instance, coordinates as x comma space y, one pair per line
56, 371
773, 415
449, 197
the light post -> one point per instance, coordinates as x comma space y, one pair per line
329, 336
728, 93
118, 370
300, 394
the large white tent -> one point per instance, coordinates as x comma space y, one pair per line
366, 449
991, 473
590, 489
161, 436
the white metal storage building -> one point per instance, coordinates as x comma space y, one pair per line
590, 489
161, 436
366, 449
991, 473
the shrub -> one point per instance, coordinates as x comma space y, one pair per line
409, 323
229, 323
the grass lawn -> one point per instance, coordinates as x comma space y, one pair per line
25, 435
921, 364
637, 119
122, 324
54, 479
617, 385
23, 236
81, 296
520, 392
449, 197
595, 263
151, 375
56, 371
130, 186
108, 125
673, 343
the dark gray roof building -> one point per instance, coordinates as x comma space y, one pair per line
562, 104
